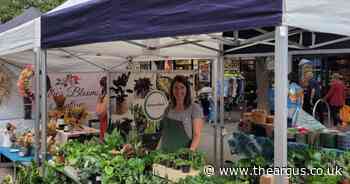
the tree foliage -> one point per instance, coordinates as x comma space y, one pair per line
13, 8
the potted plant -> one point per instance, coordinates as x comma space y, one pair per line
119, 93
142, 87
26, 141
185, 166
178, 164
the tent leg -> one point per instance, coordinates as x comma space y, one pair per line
215, 99
281, 81
222, 125
37, 53
43, 109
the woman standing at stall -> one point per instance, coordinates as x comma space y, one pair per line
101, 107
182, 124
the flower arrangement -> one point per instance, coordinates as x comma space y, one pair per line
68, 80
25, 140
76, 116
56, 114
5, 84
24, 82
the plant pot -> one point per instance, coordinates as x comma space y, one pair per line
60, 159
121, 108
59, 100
96, 179
301, 138
172, 164
186, 168
150, 141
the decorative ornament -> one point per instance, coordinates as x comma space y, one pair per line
24, 85
24, 82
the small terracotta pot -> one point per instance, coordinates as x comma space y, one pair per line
122, 108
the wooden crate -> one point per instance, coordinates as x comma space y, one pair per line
172, 174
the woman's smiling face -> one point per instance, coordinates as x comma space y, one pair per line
179, 91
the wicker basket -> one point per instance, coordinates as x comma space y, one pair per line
269, 119
259, 116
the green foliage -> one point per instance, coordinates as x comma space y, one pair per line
114, 140
210, 180
12, 8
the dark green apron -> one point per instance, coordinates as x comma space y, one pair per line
174, 136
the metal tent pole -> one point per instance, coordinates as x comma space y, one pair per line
222, 125
43, 108
215, 99
37, 53
281, 81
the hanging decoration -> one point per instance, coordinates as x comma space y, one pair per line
5, 83
24, 85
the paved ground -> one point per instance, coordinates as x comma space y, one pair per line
207, 140
4, 172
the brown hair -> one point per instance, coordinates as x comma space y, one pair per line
103, 84
188, 99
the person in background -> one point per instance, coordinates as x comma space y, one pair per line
271, 94
336, 97
295, 98
101, 107
312, 92
183, 121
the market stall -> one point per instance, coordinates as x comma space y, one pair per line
221, 18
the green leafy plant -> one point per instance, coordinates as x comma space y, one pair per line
114, 140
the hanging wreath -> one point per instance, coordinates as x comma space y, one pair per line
24, 82
5, 83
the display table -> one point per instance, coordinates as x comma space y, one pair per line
63, 136
15, 158
5, 151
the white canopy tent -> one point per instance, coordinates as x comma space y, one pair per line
315, 15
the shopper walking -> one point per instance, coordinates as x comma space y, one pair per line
312, 92
183, 122
336, 97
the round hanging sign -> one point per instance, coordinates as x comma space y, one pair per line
155, 105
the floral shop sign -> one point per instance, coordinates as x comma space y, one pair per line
73, 90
